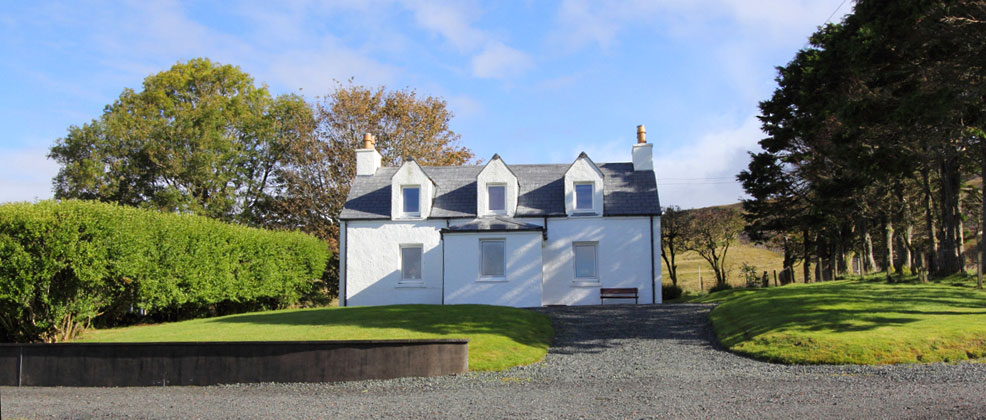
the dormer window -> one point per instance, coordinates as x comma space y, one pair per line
584, 188
497, 198
412, 200
583, 196
411, 192
496, 189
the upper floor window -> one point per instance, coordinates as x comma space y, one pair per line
412, 200
497, 197
583, 196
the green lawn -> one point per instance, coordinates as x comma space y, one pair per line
854, 322
500, 337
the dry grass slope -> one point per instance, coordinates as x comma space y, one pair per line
690, 264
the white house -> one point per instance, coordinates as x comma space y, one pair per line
499, 234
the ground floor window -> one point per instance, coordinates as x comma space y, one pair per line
586, 267
492, 262
411, 262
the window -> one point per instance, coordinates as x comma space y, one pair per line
412, 200
585, 260
492, 258
497, 195
410, 262
583, 196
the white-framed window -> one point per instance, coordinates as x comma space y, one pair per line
411, 264
411, 197
496, 195
583, 195
586, 262
492, 258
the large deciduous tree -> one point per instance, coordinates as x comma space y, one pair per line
200, 138
711, 231
674, 231
318, 171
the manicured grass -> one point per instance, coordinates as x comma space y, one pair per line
500, 337
854, 322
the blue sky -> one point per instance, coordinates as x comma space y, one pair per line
535, 81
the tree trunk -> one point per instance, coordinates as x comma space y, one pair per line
982, 224
807, 257
888, 261
908, 244
948, 203
960, 246
930, 264
868, 251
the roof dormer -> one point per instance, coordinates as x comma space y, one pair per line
496, 189
411, 192
583, 188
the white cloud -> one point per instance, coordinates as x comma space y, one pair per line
314, 71
492, 58
464, 106
703, 173
450, 20
581, 22
26, 174
498, 61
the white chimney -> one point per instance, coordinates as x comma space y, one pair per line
367, 158
643, 152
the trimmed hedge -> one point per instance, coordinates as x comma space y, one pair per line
63, 264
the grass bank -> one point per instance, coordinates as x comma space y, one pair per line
499, 337
854, 322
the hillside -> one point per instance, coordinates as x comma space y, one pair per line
691, 265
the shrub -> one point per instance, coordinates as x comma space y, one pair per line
63, 264
670, 291
749, 273
720, 287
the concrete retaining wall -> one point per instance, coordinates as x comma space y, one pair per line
209, 363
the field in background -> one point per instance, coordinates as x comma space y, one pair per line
690, 265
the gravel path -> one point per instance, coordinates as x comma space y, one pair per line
619, 361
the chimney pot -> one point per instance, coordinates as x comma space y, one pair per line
368, 141
641, 134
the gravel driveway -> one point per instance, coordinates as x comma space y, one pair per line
618, 361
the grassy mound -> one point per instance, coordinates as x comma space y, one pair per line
500, 337
854, 322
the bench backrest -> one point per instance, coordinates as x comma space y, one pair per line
618, 291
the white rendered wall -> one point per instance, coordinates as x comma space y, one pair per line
410, 174
521, 284
367, 161
583, 171
658, 263
496, 172
643, 157
373, 271
623, 258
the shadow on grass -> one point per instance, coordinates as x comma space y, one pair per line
843, 306
522, 326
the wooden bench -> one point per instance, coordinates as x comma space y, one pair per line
619, 293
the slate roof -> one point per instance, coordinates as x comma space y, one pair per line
542, 191
493, 224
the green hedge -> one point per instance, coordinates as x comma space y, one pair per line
63, 264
